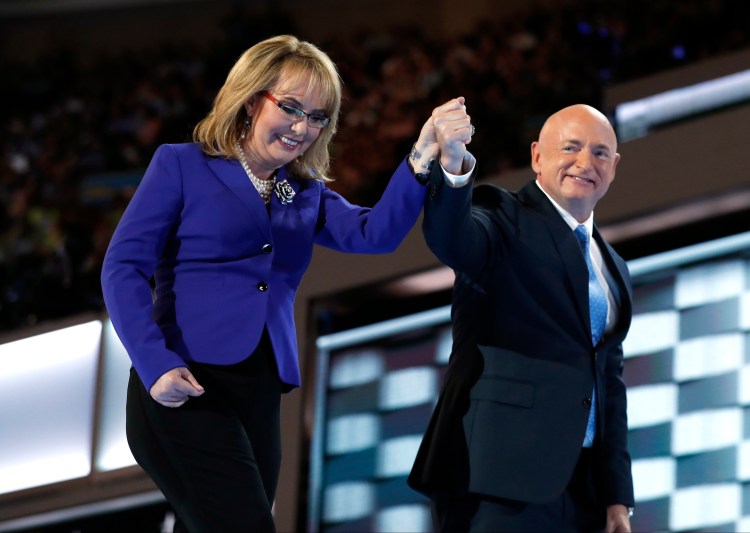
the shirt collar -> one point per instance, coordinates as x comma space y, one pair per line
567, 217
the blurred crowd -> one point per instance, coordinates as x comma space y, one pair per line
76, 138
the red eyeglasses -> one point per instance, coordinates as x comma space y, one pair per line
295, 113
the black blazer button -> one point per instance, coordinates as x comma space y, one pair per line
586, 403
266, 248
263, 287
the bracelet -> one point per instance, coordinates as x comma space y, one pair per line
423, 176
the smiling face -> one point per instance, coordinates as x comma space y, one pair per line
277, 137
575, 158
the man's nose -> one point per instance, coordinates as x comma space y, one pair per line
583, 159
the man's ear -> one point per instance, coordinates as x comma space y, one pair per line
614, 165
535, 157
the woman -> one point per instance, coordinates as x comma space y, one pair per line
226, 226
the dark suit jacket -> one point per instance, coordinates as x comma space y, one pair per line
224, 266
512, 413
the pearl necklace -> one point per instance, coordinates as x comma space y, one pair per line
264, 187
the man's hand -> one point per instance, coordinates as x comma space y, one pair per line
175, 387
617, 519
453, 128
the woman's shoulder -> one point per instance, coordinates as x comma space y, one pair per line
181, 148
179, 151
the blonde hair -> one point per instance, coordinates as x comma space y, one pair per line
260, 68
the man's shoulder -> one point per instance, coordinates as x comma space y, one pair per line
489, 194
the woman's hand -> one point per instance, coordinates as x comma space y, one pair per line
175, 387
426, 148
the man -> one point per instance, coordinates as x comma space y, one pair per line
529, 432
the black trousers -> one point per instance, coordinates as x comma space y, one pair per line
216, 458
577, 510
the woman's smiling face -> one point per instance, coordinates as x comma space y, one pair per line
277, 137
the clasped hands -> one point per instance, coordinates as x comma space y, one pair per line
446, 134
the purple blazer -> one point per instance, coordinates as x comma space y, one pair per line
223, 267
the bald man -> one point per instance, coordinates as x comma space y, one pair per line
529, 432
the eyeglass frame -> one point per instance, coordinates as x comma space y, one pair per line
295, 113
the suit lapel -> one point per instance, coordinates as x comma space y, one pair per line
231, 173
565, 245
284, 221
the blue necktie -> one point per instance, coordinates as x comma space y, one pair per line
598, 317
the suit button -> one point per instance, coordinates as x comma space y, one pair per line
262, 286
586, 403
266, 248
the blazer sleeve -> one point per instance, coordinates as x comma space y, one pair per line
346, 227
130, 261
455, 225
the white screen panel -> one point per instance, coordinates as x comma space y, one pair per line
47, 388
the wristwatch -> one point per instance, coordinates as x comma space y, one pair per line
422, 173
